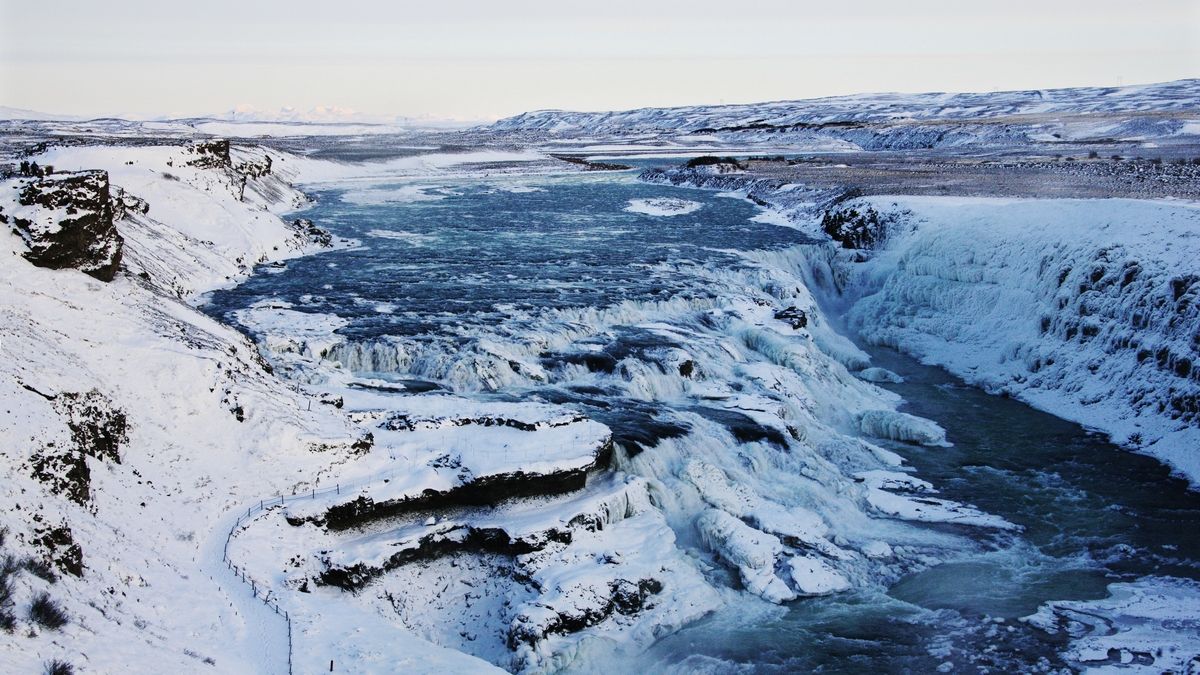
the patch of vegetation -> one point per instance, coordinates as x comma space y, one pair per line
40, 568
46, 612
58, 667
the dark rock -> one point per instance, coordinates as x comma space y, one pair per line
125, 204
64, 471
61, 549
625, 598
722, 164
314, 234
76, 230
211, 154
854, 229
460, 539
795, 317
98, 429
590, 165
254, 167
486, 491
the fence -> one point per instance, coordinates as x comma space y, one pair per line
280, 500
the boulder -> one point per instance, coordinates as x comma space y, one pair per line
793, 316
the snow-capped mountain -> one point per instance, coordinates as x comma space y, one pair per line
1177, 96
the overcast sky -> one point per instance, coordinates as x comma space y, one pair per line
477, 60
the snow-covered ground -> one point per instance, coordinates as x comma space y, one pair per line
195, 424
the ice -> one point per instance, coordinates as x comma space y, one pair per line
407, 194
900, 426
1080, 307
815, 577
663, 206
752, 552
1146, 626
875, 374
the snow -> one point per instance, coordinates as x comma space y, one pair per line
316, 171
663, 206
875, 374
814, 576
900, 426
145, 530
407, 194
809, 508
210, 430
1146, 626
902, 495
752, 552
1083, 308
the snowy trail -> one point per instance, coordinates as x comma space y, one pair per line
263, 633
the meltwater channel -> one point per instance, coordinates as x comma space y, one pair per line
445, 267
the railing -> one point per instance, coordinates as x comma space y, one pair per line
280, 500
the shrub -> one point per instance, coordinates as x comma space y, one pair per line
8, 622
6, 591
1093, 155
46, 612
40, 568
57, 667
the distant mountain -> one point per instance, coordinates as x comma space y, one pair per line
1179, 96
7, 113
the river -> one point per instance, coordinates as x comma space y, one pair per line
447, 270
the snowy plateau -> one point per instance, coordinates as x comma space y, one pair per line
560, 402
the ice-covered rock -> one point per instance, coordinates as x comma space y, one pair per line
875, 374
663, 206
814, 576
1085, 308
900, 426
754, 553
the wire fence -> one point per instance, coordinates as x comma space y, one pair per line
266, 595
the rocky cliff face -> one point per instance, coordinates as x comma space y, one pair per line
211, 154
66, 221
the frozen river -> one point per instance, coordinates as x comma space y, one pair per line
606, 295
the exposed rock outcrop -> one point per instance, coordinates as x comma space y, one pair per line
211, 154
66, 220
314, 234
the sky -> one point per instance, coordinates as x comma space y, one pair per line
477, 60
